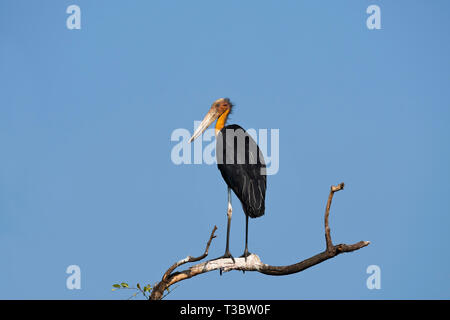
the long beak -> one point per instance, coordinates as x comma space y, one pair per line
210, 117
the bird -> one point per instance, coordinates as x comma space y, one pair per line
241, 164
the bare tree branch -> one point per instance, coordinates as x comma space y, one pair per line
253, 262
189, 258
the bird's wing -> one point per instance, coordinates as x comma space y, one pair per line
243, 169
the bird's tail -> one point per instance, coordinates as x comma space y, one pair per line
253, 198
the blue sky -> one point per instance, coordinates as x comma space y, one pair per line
86, 117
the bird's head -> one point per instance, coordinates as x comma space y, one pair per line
219, 107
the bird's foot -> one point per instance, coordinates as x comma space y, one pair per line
246, 254
226, 256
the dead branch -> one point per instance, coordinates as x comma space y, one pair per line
253, 262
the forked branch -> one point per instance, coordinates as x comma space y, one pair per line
253, 262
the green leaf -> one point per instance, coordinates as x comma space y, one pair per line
138, 286
116, 285
124, 285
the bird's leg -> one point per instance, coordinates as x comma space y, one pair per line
227, 249
229, 213
246, 252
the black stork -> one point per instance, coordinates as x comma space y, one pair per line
241, 164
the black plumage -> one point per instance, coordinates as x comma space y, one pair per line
242, 166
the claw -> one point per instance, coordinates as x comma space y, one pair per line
246, 254
226, 256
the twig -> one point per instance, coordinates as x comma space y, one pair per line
189, 258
